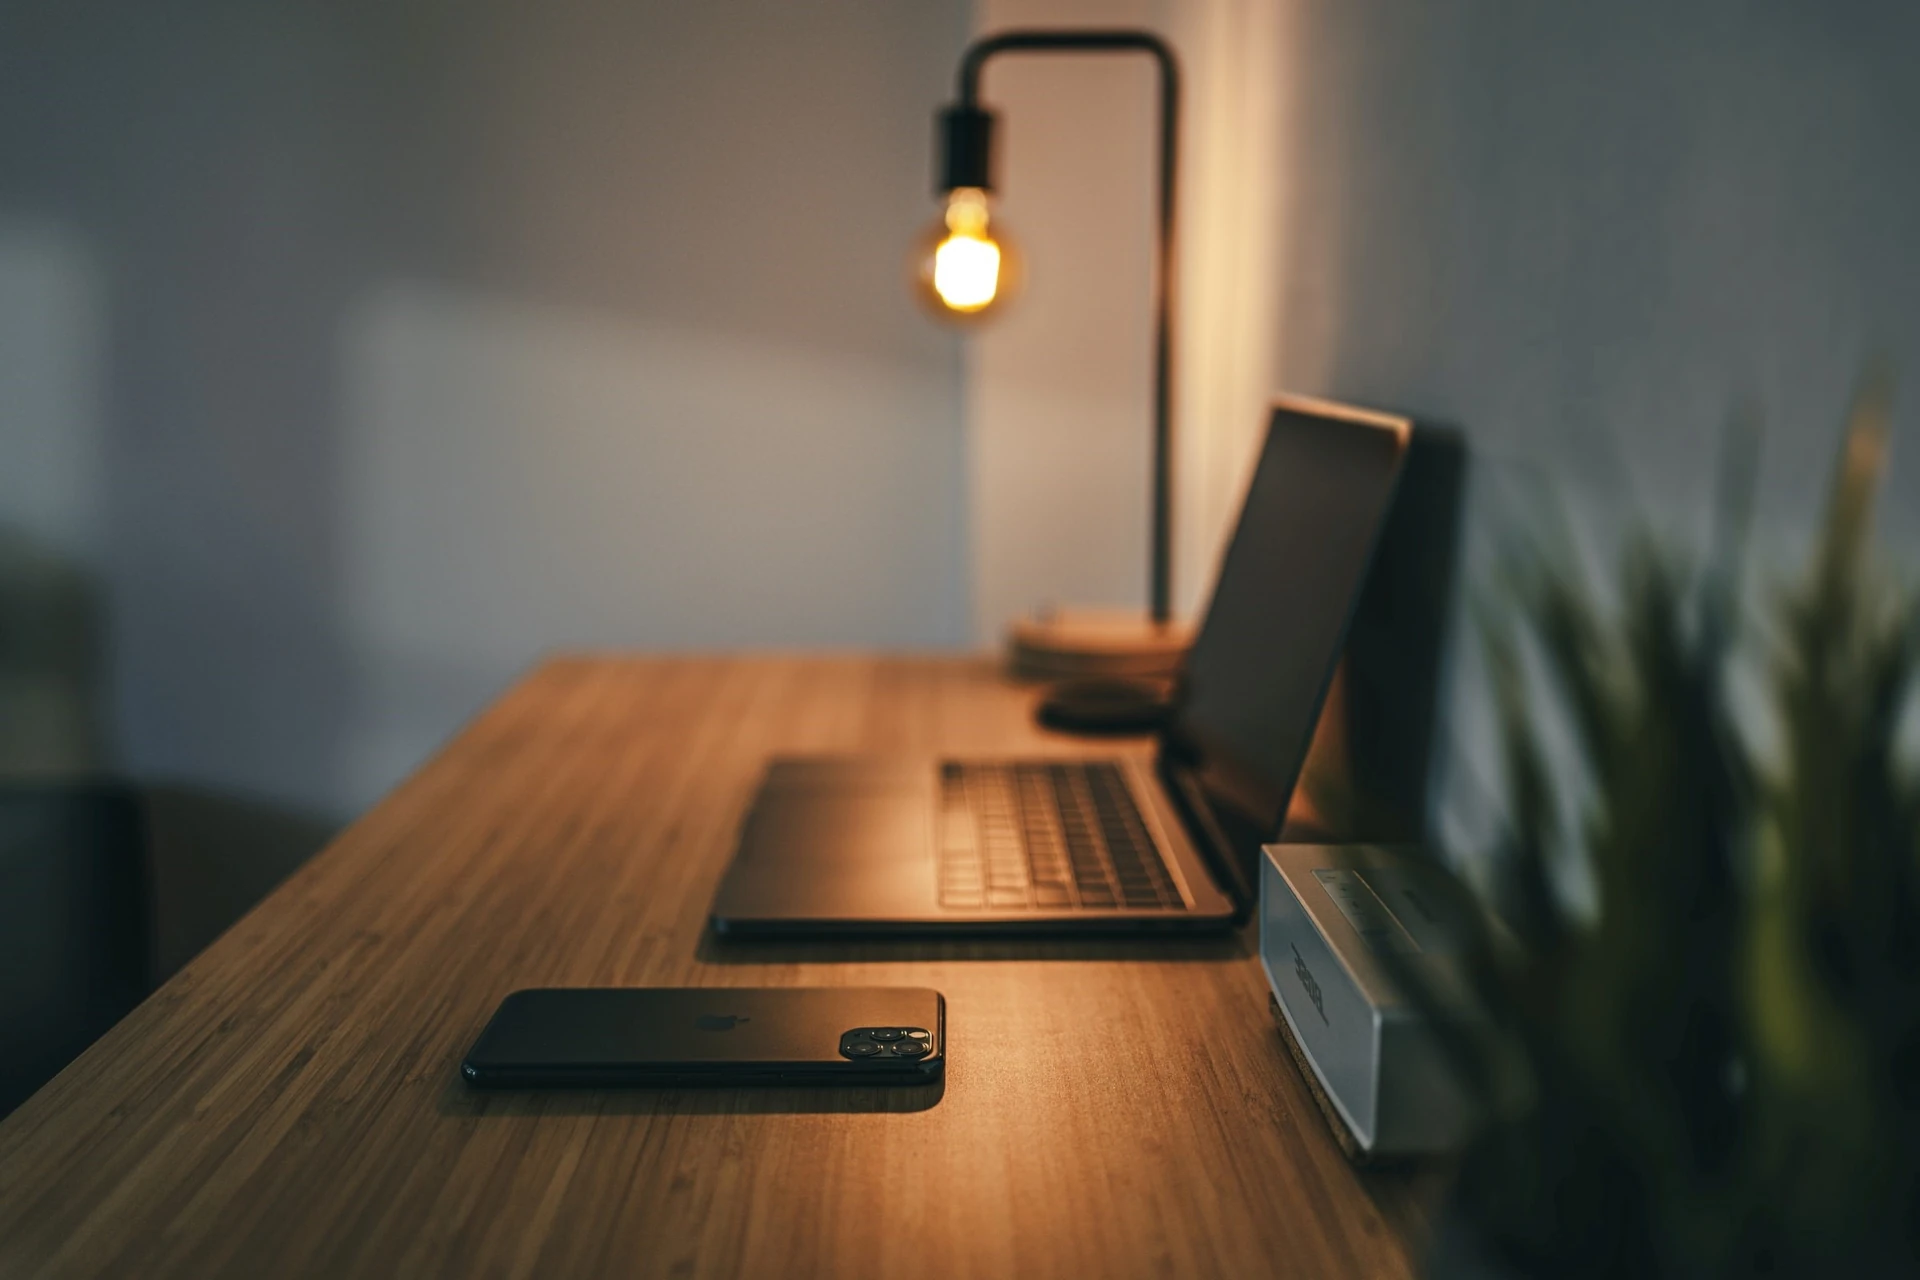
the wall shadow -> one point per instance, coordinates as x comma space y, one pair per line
51, 656
212, 857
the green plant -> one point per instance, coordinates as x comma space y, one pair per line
1713, 1067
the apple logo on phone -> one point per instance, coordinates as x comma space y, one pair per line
718, 1021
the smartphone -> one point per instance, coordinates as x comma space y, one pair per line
610, 1037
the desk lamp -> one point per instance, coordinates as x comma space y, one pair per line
1119, 665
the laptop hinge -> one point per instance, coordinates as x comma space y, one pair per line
1216, 849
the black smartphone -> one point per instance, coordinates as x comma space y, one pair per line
609, 1037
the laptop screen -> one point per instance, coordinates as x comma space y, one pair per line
1288, 583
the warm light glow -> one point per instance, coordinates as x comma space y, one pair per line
967, 261
966, 271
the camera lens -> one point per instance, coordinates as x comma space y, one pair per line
884, 1034
909, 1049
859, 1048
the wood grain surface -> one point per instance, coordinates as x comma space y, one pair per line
289, 1104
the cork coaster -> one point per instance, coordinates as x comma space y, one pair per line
1356, 1153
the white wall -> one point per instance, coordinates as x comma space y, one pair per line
1585, 233
358, 353
1058, 411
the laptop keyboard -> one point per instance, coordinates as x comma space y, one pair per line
1045, 836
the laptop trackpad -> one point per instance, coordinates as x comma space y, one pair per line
847, 827
845, 853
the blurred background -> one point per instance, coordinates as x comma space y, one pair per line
353, 355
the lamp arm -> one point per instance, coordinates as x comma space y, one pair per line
1120, 40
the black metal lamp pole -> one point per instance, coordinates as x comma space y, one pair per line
966, 132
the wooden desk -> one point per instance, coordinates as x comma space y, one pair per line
289, 1103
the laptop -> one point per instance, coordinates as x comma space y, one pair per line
855, 844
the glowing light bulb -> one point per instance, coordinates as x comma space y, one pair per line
966, 265
965, 270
